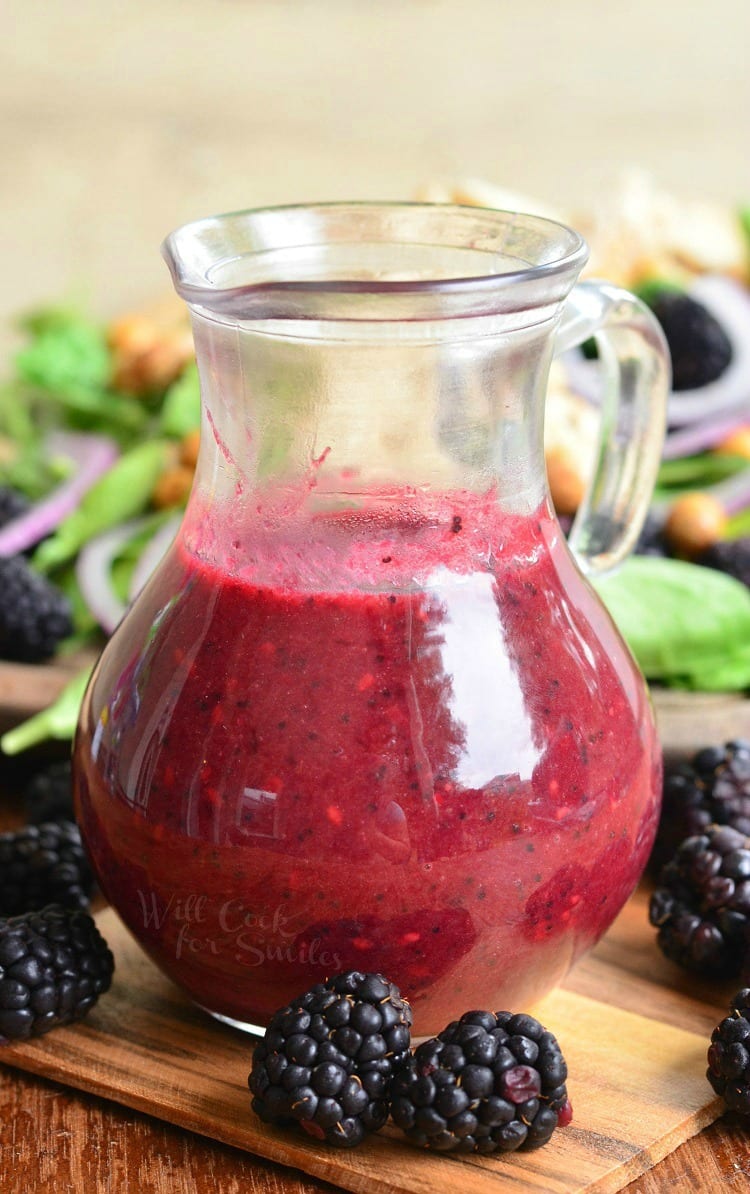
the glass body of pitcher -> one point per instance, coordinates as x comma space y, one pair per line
368, 712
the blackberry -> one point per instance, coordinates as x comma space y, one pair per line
487, 1083
651, 541
728, 555
327, 1059
729, 1055
43, 864
713, 787
34, 616
12, 504
48, 796
699, 346
54, 965
702, 903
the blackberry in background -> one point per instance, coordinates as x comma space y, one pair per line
487, 1083
712, 787
48, 796
12, 504
34, 615
699, 346
701, 905
54, 965
728, 555
43, 864
651, 541
327, 1059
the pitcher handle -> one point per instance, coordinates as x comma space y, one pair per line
636, 379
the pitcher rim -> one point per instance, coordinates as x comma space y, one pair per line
509, 290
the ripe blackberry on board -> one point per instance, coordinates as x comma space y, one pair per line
487, 1083
54, 965
327, 1058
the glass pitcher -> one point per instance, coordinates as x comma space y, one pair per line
369, 713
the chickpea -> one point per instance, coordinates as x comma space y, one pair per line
695, 521
148, 352
189, 446
566, 484
173, 486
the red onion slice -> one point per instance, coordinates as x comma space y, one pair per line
728, 396
92, 456
699, 436
153, 553
94, 572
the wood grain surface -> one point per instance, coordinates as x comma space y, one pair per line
25, 688
146, 1046
57, 1141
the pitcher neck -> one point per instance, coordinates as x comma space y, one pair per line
353, 348
343, 414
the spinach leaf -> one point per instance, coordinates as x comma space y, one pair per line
66, 353
65, 371
687, 626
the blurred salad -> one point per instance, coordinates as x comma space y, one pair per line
99, 431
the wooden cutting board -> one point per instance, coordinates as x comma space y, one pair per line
25, 688
690, 720
634, 1031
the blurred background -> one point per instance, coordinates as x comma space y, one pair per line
119, 121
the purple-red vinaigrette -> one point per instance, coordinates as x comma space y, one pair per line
288, 767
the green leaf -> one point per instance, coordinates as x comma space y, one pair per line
16, 419
181, 409
687, 626
31, 472
58, 720
84, 622
66, 353
738, 526
124, 563
122, 493
651, 289
700, 471
63, 376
